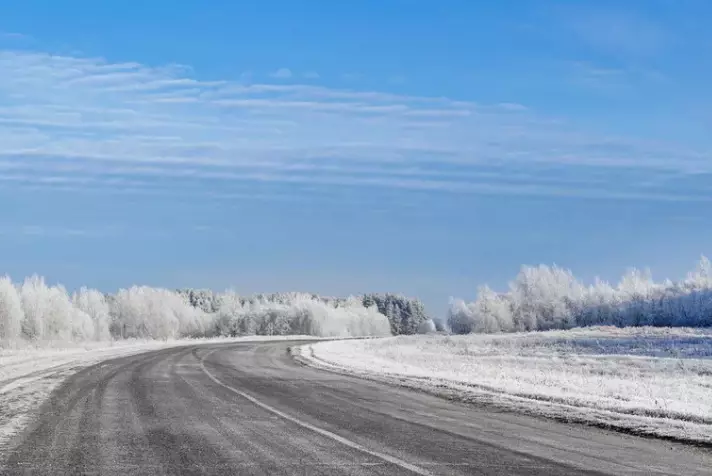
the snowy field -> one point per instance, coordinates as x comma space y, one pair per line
653, 381
28, 375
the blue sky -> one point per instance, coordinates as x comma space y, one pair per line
343, 147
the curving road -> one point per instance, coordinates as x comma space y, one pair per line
249, 409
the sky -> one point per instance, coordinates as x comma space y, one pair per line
417, 147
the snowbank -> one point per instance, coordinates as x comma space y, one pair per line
654, 381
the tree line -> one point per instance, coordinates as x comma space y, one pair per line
405, 315
549, 297
36, 311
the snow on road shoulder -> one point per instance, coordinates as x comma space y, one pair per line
652, 381
28, 375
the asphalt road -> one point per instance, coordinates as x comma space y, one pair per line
249, 409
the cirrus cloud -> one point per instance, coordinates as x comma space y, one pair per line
78, 121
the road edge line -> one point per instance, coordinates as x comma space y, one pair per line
351, 444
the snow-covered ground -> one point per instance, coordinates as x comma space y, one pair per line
655, 381
28, 375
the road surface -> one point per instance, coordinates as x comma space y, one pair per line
249, 409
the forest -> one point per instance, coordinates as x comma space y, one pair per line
539, 298
550, 297
36, 311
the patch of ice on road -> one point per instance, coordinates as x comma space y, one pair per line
654, 381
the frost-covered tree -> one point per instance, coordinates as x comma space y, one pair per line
227, 319
297, 313
265, 313
701, 277
204, 299
49, 314
154, 313
492, 312
11, 313
461, 317
404, 314
546, 297
94, 304
441, 324
427, 327
82, 326
636, 291
62, 320
33, 293
542, 298
37, 311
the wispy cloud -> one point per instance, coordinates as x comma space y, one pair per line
589, 75
45, 231
13, 35
618, 31
311, 75
511, 106
351, 76
607, 78
77, 123
282, 73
